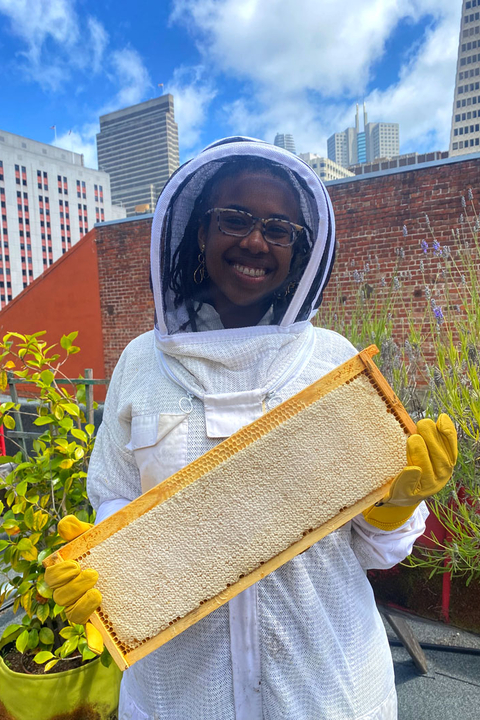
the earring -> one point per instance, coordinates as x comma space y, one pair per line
289, 290
199, 274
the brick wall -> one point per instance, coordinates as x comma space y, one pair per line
126, 302
370, 214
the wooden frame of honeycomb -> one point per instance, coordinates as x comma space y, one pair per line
236, 526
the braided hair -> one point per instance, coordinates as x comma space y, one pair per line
185, 259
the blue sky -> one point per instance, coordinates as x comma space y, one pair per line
252, 67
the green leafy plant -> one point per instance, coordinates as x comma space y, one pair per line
43, 486
430, 354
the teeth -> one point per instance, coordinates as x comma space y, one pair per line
251, 272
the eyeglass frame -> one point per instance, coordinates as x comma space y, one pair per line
297, 229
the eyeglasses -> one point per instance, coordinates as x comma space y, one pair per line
240, 223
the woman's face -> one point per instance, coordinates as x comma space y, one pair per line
240, 297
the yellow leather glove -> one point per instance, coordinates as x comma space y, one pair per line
73, 587
431, 457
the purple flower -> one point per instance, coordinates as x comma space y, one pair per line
404, 231
470, 194
424, 246
437, 311
436, 248
463, 201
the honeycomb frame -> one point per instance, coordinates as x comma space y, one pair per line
79, 549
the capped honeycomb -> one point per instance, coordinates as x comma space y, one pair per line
244, 508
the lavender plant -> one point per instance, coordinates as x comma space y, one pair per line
430, 353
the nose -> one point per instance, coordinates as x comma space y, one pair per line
254, 242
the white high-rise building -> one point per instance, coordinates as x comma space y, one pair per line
325, 168
285, 141
465, 132
49, 200
354, 146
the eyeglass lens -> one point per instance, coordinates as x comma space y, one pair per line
240, 224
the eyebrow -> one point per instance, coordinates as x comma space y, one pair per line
279, 216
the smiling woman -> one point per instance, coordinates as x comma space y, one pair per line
254, 245
242, 248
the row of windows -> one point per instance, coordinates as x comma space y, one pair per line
472, 17
470, 45
468, 88
471, 4
469, 59
466, 143
467, 129
469, 73
471, 31
467, 116
468, 101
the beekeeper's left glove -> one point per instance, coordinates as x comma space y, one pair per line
431, 457
73, 587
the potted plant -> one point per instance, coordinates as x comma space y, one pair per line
46, 667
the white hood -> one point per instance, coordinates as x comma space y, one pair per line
229, 368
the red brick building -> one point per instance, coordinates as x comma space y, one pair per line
101, 286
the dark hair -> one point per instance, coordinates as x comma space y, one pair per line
185, 259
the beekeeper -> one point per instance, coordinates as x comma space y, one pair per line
242, 247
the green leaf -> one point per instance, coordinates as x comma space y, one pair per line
79, 434
47, 377
57, 609
90, 429
27, 549
106, 658
51, 664
73, 350
22, 641
28, 517
71, 409
3, 544
43, 656
32, 639
69, 646
44, 590
9, 422
24, 587
11, 630
43, 612
22, 488
46, 636
44, 420
44, 554
67, 632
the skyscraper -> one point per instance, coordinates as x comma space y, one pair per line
138, 147
465, 132
285, 141
49, 201
353, 146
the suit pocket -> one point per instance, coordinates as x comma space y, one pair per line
159, 444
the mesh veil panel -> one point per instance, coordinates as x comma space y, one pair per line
177, 202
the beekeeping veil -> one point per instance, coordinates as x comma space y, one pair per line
233, 371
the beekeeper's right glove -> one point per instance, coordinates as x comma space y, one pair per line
73, 587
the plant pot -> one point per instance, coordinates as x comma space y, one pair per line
89, 692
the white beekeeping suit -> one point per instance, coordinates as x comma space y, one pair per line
306, 642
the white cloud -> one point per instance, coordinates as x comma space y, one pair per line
193, 94
99, 42
131, 75
307, 62
36, 22
82, 141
